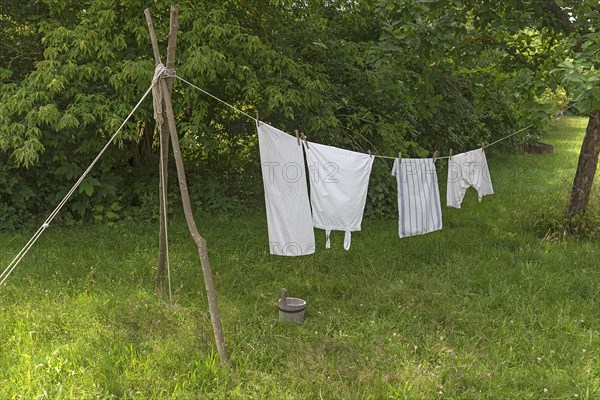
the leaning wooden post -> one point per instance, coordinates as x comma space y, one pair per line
163, 175
187, 206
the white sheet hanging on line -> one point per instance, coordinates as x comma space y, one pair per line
339, 180
419, 207
286, 194
466, 170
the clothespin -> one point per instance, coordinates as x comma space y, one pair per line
305, 141
369, 151
450, 156
435, 154
482, 145
257, 119
297, 136
399, 157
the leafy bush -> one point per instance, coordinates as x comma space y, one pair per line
382, 197
15, 196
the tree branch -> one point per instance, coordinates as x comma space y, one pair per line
563, 18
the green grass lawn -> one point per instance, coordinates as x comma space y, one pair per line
484, 309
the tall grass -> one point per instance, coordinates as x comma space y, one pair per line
485, 308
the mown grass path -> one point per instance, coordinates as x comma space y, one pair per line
484, 309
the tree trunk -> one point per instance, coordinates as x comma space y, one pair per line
586, 167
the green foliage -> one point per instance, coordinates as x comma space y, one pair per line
108, 214
581, 74
20, 45
382, 198
410, 76
14, 198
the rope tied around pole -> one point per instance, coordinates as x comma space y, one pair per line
160, 72
157, 93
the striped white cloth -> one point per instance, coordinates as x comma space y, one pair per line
419, 208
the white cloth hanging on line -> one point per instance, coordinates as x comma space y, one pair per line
419, 207
339, 180
289, 221
466, 170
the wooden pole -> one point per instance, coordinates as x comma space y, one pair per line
153, 38
163, 166
200, 241
185, 197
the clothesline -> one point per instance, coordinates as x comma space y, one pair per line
293, 214
256, 120
218, 99
158, 73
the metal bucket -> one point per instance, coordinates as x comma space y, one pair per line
291, 309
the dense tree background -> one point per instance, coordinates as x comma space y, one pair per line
386, 76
